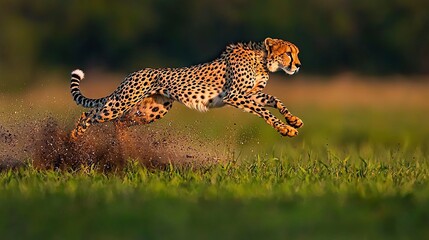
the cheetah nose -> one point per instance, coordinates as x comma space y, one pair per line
298, 65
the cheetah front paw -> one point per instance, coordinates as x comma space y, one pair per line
286, 130
294, 121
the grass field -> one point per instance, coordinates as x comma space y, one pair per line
358, 170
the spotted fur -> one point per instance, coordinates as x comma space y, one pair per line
236, 78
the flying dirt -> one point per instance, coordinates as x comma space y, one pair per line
44, 143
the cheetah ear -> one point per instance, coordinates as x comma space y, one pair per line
269, 43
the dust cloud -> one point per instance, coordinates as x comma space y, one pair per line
45, 144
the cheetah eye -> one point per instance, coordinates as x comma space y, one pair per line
289, 54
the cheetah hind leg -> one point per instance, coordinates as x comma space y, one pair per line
148, 110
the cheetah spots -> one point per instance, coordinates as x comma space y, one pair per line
241, 73
294, 121
145, 111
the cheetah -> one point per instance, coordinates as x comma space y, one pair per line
236, 78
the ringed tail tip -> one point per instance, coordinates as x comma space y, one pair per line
79, 73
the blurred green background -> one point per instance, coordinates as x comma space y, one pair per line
365, 36
358, 169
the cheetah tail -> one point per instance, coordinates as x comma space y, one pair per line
76, 76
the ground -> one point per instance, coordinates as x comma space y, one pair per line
358, 170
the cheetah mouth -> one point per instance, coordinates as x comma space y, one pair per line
289, 71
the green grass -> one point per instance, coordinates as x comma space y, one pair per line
260, 198
350, 174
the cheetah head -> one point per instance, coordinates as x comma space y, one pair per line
282, 55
